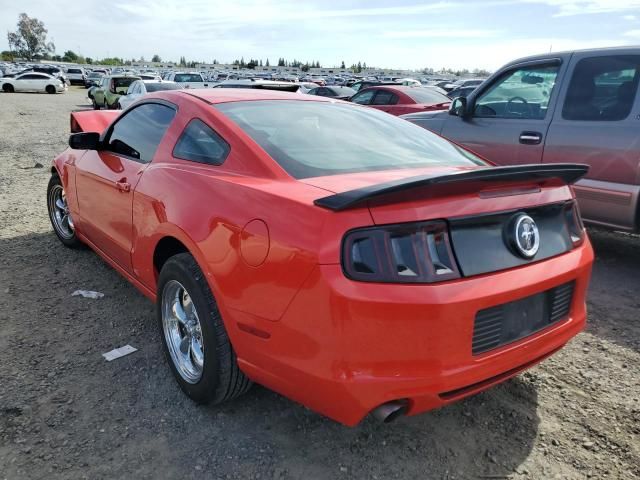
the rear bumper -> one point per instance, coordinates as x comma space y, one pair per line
343, 347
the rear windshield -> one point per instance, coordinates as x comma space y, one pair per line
313, 139
426, 95
123, 82
156, 87
74, 70
344, 91
188, 77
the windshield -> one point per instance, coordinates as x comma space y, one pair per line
312, 139
188, 77
123, 82
426, 95
156, 87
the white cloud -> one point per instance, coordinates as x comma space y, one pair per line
630, 17
632, 34
588, 7
441, 33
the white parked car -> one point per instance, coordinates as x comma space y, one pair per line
32, 82
139, 88
189, 80
76, 75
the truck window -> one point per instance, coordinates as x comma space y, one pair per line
602, 88
522, 93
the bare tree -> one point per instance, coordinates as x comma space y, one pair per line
30, 39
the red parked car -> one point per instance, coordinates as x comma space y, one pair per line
401, 100
345, 258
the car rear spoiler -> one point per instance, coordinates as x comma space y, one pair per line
92, 120
567, 173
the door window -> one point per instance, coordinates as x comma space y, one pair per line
384, 97
602, 88
199, 143
138, 132
522, 93
364, 98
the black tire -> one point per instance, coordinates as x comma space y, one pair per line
7, 88
95, 105
50, 89
221, 378
68, 240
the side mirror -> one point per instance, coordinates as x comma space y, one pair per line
458, 107
85, 141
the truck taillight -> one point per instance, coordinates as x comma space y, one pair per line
404, 253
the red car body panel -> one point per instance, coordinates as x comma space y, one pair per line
272, 260
405, 104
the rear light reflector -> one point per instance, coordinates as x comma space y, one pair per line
405, 253
574, 223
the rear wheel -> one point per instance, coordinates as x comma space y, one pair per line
195, 341
8, 88
59, 213
50, 89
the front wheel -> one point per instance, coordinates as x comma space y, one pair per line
59, 213
195, 341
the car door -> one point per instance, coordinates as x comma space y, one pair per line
99, 92
364, 97
597, 124
508, 119
387, 101
39, 82
106, 179
21, 83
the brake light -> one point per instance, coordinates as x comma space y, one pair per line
404, 253
574, 223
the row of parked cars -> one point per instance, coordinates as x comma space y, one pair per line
560, 107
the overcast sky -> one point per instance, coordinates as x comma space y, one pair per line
390, 33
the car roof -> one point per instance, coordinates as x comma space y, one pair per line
225, 95
542, 56
157, 81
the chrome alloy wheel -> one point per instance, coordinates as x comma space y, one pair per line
182, 331
59, 212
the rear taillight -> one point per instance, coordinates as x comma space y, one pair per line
574, 223
405, 253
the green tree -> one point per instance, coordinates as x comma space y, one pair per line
156, 58
89, 60
266, 63
6, 55
69, 56
342, 65
30, 39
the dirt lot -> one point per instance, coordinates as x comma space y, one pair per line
66, 413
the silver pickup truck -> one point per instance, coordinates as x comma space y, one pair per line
578, 107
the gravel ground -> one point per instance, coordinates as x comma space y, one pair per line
66, 413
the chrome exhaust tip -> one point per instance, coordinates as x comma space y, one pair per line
388, 412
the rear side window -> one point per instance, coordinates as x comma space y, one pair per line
138, 132
602, 88
364, 98
199, 143
384, 97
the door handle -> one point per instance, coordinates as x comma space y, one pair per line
123, 186
531, 138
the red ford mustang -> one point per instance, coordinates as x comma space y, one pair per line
343, 257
